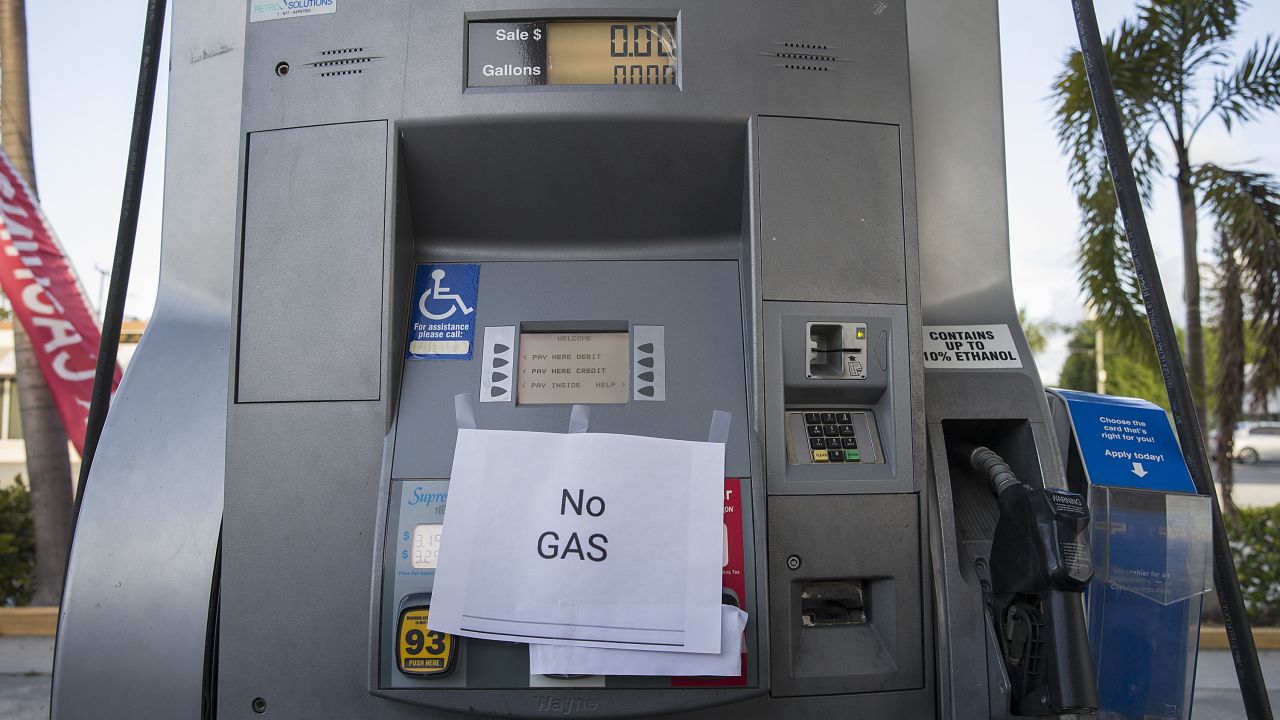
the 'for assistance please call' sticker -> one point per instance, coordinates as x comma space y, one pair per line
442, 321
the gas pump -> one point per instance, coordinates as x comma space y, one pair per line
790, 212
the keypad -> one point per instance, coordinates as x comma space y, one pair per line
832, 437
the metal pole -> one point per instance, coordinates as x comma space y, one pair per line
1252, 686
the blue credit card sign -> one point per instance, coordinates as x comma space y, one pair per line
442, 322
1126, 442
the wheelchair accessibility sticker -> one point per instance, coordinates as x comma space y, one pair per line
443, 320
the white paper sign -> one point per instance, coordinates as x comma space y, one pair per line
568, 660
969, 347
586, 539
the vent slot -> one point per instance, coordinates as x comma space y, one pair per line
805, 56
338, 62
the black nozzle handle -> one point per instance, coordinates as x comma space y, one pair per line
1071, 679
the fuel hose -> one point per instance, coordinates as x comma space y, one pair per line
1245, 656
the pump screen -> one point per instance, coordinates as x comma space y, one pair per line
426, 546
573, 368
572, 52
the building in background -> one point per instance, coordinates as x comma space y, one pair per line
13, 454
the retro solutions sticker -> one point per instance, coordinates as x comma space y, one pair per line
276, 9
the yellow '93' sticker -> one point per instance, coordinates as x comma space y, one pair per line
421, 651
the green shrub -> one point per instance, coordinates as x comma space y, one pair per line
17, 545
1255, 545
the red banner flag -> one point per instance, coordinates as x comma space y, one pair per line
49, 302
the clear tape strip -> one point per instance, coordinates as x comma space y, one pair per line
720, 423
464, 411
579, 418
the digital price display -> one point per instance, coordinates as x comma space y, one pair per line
426, 546
572, 52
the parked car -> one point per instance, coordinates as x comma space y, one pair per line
1257, 441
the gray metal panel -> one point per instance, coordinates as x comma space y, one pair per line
313, 241
729, 63
875, 539
831, 211
959, 139
135, 611
297, 548
697, 302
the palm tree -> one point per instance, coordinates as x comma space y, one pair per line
1247, 207
48, 465
1159, 61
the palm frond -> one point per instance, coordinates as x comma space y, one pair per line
1187, 35
1106, 270
1077, 123
1105, 267
1252, 88
1247, 209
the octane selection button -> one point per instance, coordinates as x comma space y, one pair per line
421, 651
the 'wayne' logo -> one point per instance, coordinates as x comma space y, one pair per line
566, 705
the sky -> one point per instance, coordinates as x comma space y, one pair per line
83, 76
1035, 36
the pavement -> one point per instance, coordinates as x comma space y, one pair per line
1256, 484
25, 664
1217, 690
25, 667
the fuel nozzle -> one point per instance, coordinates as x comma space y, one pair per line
1040, 564
991, 465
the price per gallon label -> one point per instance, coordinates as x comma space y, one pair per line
970, 347
421, 651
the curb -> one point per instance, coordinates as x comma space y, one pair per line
1214, 637
30, 621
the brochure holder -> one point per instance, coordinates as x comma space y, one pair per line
1152, 553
